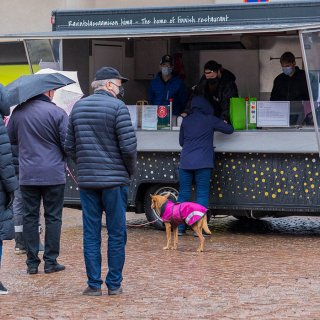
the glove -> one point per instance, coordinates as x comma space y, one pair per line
10, 198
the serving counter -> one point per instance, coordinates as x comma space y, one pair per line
289, 140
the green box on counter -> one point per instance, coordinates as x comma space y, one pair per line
243, 113
238, 113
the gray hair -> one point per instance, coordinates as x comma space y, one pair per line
97, 84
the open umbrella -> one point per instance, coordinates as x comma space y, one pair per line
27, 87
67, 96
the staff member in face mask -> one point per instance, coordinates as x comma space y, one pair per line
291, 84
220, 87
167, 85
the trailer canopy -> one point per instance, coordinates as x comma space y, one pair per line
190, 20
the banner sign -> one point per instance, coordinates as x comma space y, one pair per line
189, 16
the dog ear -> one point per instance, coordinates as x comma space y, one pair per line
151, 196
167, 195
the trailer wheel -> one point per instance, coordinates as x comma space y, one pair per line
157, 189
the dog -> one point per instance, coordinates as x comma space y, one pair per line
172, 214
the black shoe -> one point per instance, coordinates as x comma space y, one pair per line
89, 291
114, 292
32, 270
54, 268
3, 289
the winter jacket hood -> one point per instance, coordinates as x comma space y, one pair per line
197, 133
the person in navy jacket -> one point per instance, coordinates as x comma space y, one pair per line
197, 155
167, 85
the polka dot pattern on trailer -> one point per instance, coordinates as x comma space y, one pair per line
267, 181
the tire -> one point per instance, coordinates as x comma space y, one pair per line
158, 189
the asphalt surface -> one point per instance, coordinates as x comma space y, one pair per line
266, 269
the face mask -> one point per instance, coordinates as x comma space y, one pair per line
214, 81
166, 71
120, 95
287, 70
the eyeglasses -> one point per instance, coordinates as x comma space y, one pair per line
208, 72
115, 84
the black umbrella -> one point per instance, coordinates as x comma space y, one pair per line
27, 87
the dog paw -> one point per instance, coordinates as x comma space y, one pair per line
166, 248
174, 248
199, 250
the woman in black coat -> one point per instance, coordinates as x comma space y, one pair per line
8, 181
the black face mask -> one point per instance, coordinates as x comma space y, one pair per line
214, 81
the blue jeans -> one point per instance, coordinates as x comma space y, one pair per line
114, 202
201, 177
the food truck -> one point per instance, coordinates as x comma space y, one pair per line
269, 169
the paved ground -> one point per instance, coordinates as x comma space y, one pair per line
259, 271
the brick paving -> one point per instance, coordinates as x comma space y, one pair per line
262, 271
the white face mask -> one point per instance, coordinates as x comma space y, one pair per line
166, 71
287, 70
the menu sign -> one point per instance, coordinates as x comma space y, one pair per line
273, 113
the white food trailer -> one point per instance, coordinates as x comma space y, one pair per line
269, 171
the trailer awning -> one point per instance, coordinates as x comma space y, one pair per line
175, 21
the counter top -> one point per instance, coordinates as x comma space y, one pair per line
291, 140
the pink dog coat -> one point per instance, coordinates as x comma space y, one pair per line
176, 213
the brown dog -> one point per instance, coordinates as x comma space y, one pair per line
173, 214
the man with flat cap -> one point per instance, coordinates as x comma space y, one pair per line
102, 142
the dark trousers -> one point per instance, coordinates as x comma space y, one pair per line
52, 197
114, 202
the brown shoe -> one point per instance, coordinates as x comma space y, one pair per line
89, 291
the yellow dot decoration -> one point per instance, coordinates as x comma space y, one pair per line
220, 195
263, 180
312, 186
266, 194
294, 168
274, 196
279, 190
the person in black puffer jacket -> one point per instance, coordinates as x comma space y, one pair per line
8, 181
102, 142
